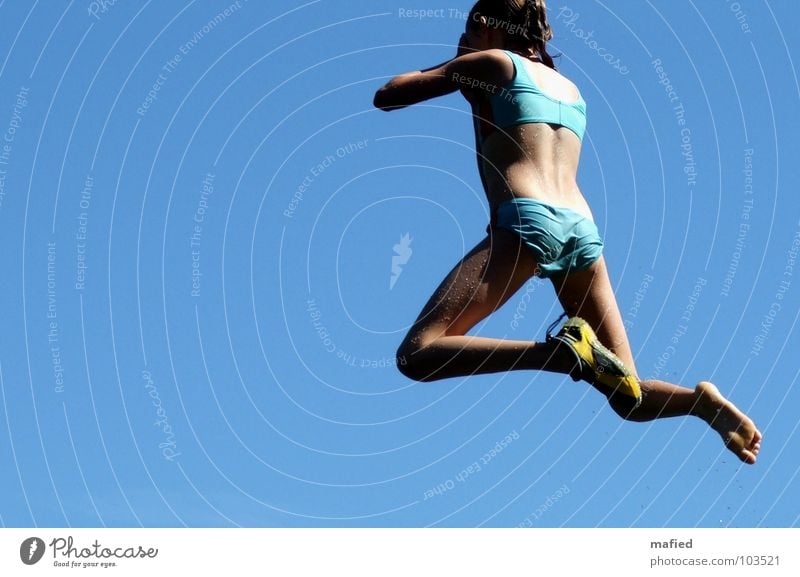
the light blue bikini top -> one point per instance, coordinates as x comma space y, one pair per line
522, 102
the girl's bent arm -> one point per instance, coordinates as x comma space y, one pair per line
485, 70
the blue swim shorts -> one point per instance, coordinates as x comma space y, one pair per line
562, 241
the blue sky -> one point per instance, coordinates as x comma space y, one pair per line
200, 210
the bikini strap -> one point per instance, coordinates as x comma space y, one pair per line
520, 64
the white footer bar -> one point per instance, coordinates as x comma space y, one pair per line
400, 552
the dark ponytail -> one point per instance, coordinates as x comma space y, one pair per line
539, 29
524, 21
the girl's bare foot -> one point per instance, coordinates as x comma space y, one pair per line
738, 432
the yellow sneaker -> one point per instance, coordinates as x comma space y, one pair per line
596, 364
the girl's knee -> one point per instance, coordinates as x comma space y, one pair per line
410, 363
417, 359
405, 363
412, 366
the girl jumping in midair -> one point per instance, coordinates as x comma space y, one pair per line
529, 124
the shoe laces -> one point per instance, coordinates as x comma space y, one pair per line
553, 325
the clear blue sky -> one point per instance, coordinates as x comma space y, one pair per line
199, 208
